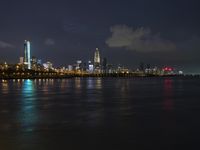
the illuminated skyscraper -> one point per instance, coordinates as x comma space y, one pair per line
21, 60
90, 67
97, 59
27, 54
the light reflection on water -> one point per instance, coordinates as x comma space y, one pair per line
95, 115
94, 83
4, 88
77, 83
90, 83
28, 111
98, 84
168, 95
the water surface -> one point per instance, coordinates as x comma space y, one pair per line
100, 113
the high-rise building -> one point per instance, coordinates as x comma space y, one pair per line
34, 64
48, 65
97, 59
78, 65
104, 65
39, 62
70, 67
27, 54
34, 60
90, 67
21, 60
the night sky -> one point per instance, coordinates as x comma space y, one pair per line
127, 32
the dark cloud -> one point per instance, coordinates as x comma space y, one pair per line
6, 45
75, 26
191, 45
140, 39
190, 49
49, 42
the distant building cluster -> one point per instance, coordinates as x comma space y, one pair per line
97, 65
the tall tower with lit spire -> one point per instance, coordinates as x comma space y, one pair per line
97, 59
27, 54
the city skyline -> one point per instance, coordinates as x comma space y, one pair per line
30, 66
156, 32
97, 64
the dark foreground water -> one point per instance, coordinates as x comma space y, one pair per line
100, 113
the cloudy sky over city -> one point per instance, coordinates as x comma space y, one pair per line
127, 32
